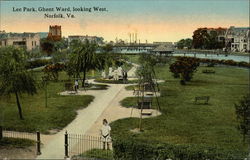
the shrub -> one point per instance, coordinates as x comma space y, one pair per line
38, 63
131, 149
185, 67
215, 61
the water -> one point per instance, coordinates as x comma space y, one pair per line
236, 58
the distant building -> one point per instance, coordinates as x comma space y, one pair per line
135, 48
163, 49
138, 48
43, 34
55, 33
237, 39
28, 41
98, 40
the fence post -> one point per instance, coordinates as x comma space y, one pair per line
38, 143
66, 145
1, 132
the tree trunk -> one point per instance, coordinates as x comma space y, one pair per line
19, 106
84, 77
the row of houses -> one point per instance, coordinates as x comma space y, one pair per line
31, 41
236, 39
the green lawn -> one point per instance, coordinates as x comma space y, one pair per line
16, 143
61, 110
183, 122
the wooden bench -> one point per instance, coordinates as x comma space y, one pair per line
146, 103
146, 113
205, 99
208, 71
69, 87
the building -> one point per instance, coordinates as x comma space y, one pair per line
98, 40
163, 49
138, 48
26, 40
55, 33
43, 34
237, 39
135, 48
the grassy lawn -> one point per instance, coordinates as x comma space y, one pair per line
15, 143
132, 58
183, 122
61, 110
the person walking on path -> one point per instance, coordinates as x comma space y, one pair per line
105, 134
76, 85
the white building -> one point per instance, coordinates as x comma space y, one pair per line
237, 39
28, 41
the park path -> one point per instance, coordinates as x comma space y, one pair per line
54, 149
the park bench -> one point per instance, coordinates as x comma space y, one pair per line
205, 99
146, 113
208, 71
69, 87
146, 103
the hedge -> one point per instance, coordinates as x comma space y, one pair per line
215, 61
131, 149
38, 63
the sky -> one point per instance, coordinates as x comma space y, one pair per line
151, 20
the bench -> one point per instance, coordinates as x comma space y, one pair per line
146, 103
146, 113
208, 71
205, 99
69, 87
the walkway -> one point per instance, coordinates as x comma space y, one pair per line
87, 117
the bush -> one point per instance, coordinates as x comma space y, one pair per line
38, 63
16, 142
98, 154
212, 62
184, 67
131, 149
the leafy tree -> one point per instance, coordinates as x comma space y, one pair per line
199, 38
243, 115
184, 43
184, 67
82, 59
107, 48
14, 78
202, 39
47, 46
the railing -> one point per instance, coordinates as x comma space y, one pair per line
78, 145
23, 135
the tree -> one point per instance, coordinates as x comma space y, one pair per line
107, 48
82, 59
187, 43
184, 67
14, 78
146, 75
242, 111
47, 46
199, 37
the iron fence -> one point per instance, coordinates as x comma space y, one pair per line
23, 135
87, 146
